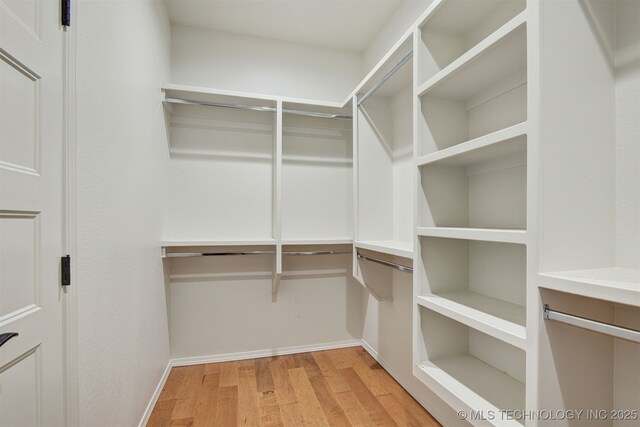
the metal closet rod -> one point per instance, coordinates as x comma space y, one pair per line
592, 325
288, 253
258, 108
386, 77
393, 265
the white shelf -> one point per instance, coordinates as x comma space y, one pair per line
199, 243
390, 247
620, 285
501, 143
484, 234
208, 93
500, 319
337, 241
466, 383
496, 58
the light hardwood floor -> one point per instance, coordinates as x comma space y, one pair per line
344, 387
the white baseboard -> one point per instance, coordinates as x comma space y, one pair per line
155, 396
185, 361
435, 409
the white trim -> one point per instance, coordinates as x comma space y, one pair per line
70, 313
436, 410
186, 361
154, 397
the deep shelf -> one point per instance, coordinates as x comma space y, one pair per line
390, 247
620, 285
483, 234
475, 384
499, 319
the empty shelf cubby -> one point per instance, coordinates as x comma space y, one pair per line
486, 94
480, 283
476, 189
468, 366
458, 26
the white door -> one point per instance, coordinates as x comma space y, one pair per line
31, 135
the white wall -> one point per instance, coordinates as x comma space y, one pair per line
122, 59
223, 305
251, 64
403, 17
627, 134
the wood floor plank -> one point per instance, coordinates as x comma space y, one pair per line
342, 358
354, 410
399, 414
228, 374
292, 415
185, 405
332, 410
227, 411
330, 373
379, 416
182, 422
285, 394
264, 379
309, 364
309, 406
368, 359
408, 402
212, 368
291, 361
369, 376
161, 415
173, 385
248, 408
207, 401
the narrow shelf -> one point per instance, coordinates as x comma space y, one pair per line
336, 241
497, 57
484, 234
194, 243
466, 383
620, 285
500, 319
390, 247
497, 144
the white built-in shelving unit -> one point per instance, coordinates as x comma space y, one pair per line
471, 159
253, 173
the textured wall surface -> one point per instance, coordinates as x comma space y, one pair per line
251, 64
123, 58
628, 134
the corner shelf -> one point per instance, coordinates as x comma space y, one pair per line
336, 241
619, 285
390, 247
478, 386
217, 243
483, 234
496, 58
500, 319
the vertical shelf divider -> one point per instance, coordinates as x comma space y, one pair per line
277, 201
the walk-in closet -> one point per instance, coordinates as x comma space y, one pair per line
365, 213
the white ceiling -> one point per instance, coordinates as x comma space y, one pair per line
341, 24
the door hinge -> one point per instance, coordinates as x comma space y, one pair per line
65, 270
65, 12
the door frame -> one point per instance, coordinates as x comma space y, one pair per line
69, 238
